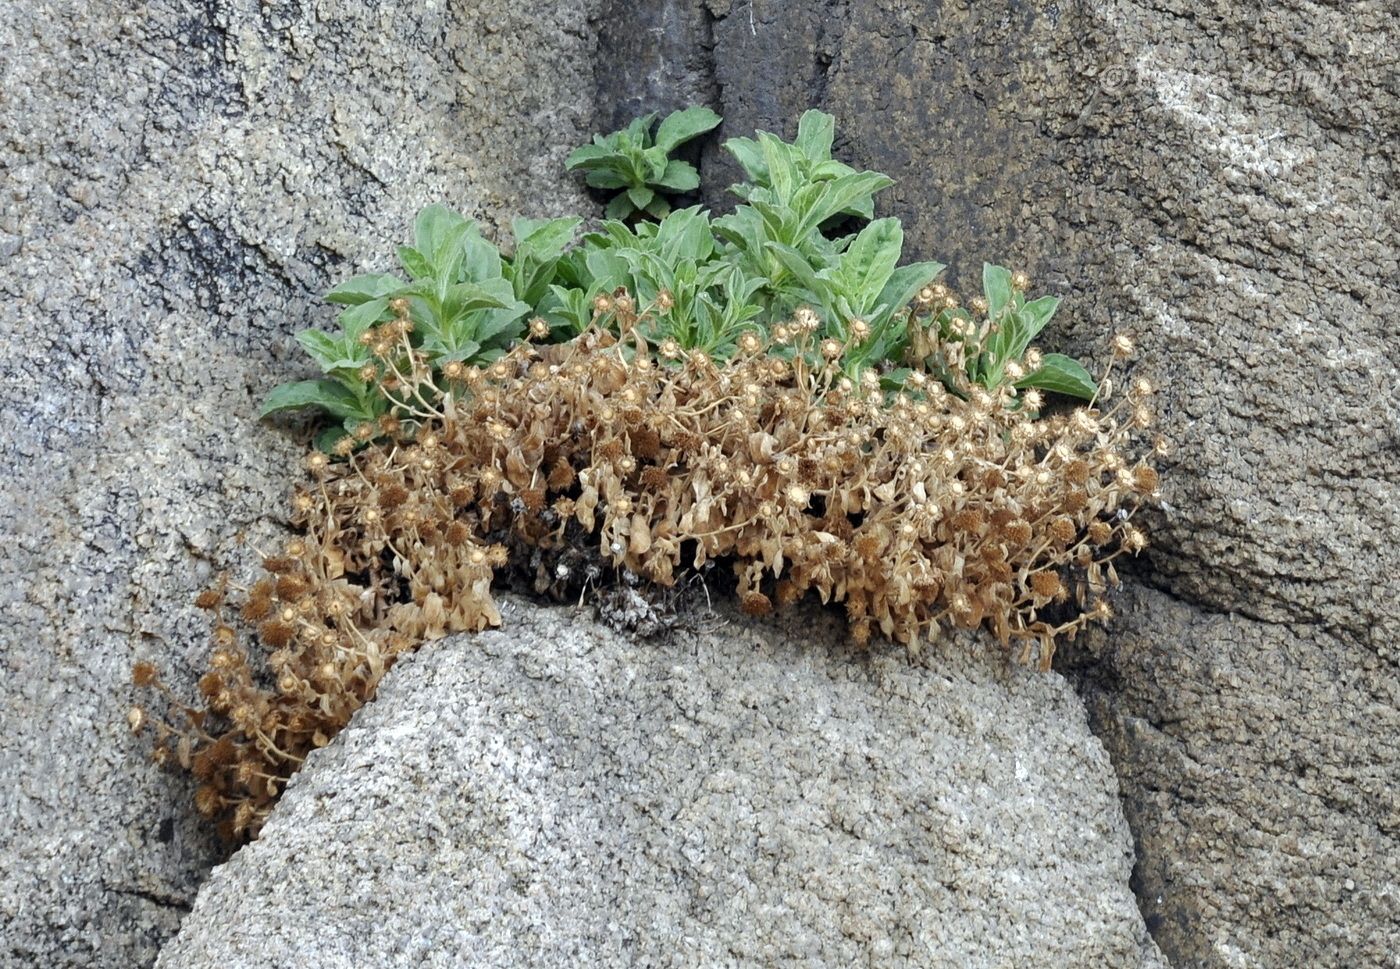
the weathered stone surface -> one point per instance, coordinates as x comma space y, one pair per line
1221, 180
181, 181
1263, 795
555, 794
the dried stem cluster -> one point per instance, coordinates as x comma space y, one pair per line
937, 505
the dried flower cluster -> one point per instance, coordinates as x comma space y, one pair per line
914, 509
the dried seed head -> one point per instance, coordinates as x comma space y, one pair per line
144, 674
1046, 584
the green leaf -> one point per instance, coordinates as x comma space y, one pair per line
328, 437
817, 288
322, 347
1062, 375
620, 177
749, 154
589, 157
907, 280
463, 351
500, 326
329, 395
326, 350
635, 134
481, 260
357, 319
438, 233
679, 177
685, 235
414, 263
866, 266
544, 238
815, 132
608, 269
619, 208
362, 289
782, 169
641, 197
1035, 315
681, 126
996, 286
465, 298
824, 199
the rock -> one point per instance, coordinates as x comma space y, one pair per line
181, 182
1222, 183
555, 794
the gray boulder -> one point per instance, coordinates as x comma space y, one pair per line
1219, 180
744, 794
181, 182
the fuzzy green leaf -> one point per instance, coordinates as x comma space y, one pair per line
362, 289
438, 233
414, 263
590, 157
749, 154
1062, 375
866, 266
620, 207
1035, 315
329, 395
357, 319
681, 126
679, 177
815, 132
996, 287
328, 352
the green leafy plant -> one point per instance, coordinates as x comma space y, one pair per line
685, 280
807, 160
996, 347
759, 389
640, 165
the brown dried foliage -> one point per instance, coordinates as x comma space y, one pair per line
912, 513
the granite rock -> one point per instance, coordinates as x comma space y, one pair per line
181, 181
1220, 181
742, 794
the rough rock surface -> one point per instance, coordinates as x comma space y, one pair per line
1220, 180
181, 181
555, 794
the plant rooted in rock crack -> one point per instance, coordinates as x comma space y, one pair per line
745, 392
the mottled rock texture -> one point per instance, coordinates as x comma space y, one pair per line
1219, 179
181, 181
555, 794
